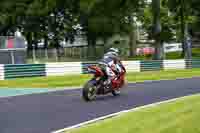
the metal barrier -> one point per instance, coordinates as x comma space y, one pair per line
151, 65
1, 72
24, 70
69, 68
174, 64
53, 69
132, 66
195, 63
85, 66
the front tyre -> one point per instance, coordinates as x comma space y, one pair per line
116, 92
89, 91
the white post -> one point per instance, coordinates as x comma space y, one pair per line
56, 55
46, 53
34, 56
80, 52
12, 57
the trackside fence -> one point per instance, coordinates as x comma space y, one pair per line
71, 68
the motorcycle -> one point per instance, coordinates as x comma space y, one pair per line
98, 84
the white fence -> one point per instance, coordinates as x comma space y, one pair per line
174, 64
1, 72
71, 68
132, 66
65, 68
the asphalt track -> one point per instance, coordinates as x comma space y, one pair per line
47, 112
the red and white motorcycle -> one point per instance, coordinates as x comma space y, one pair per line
96, 86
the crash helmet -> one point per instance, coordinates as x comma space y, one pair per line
114, 51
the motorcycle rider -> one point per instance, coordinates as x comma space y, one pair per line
114, 55
112, 66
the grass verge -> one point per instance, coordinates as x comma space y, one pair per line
79, 80
181, 116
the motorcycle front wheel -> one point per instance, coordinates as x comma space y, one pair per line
89, 91
116, 92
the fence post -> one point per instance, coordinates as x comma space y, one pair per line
34, 56
80, 52
46, 54
56, 55
12, 57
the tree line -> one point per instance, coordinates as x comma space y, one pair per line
55, 20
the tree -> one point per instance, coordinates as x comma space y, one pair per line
167, 21
103, 18
34, 17
11, 13
152, 19
131, 10
40, 18
157, 28
186, 12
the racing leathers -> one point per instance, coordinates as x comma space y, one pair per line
112, 68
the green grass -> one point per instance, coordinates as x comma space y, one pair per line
46, 82
159, 75
181, 116
79, 80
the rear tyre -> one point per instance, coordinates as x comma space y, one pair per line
89, 91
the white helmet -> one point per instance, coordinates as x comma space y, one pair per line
114, 51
